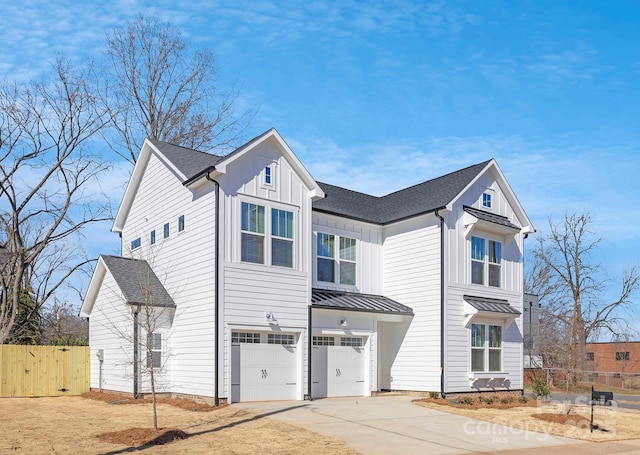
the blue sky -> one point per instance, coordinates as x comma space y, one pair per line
377, 96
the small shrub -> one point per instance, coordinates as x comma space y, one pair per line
434, 395
488, 400
506, 400
468, 400
523, 399
541, 388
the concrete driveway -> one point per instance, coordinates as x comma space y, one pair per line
392, 424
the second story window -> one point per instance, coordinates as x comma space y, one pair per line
166, 230
281, 238
486, 256
252, 226
136, 243
152, 237
181, 223
325, 263
336, 259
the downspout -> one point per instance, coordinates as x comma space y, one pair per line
136, 367
441, 302
216, 304
310, 344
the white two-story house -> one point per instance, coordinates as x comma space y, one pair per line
268, 285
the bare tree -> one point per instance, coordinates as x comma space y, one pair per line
138, 313
571, 281
156, 88
47, 192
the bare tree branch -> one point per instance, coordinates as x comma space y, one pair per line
46, 175
565, 275
154, 87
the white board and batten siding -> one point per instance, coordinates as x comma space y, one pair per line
458, 247
369, 256
458, 284
411, 276
185, 264
250, 291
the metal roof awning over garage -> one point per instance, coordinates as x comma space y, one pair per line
353, 301
493, 308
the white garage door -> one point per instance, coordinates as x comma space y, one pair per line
263, 366
338, 366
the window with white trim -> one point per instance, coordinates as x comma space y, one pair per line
355, 342
268, 176
486, 200
154, 351
245, 337
281, 238
166, 230
336, 265
135, 244
255, 238
486, 255
280, 338
486, 348
324, 341
252, 233
152, 237
181, 223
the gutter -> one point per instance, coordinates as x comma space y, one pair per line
216, 305
442, 393
309, 363
136, 353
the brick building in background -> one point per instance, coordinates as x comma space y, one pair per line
615, 363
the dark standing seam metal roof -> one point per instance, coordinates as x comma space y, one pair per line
136, 280
491, 217
492, 305
416, 200
353, 301
190, 162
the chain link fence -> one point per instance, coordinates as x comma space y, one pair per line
610, 379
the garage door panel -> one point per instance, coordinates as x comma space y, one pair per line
345, 371
338, 371
319, 371
263, 372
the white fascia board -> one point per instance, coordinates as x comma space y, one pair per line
134, 182
94, 288
527, 226
315, 192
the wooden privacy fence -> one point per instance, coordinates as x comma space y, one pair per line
43, 371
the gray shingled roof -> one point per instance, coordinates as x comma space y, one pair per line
416, 200
491, 217
492, 305
353, 301
190, 162
135, 278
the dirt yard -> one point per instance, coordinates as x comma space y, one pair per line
613, 424
66, 425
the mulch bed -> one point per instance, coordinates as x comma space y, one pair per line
485, 403
117, 399
137, 437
